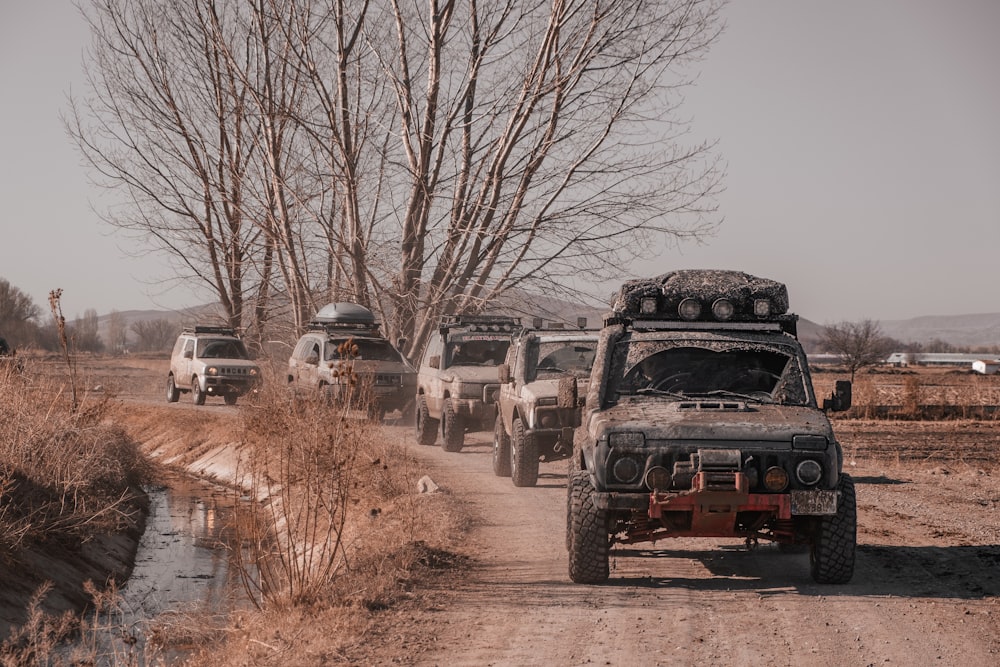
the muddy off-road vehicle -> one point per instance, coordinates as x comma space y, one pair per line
700, 421
343, 356
457, 380
211, 361
546, 369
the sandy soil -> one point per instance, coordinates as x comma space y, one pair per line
925, 590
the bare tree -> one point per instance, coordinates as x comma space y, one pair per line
859, 344
117, 332
163, 124
18, 315
419, 158
154, 335
84, 332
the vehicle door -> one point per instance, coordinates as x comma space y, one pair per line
509, 391
429, 375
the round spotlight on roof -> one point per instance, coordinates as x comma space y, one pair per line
723, 309
689, 309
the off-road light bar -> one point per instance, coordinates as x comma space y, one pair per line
689, 309
723, 309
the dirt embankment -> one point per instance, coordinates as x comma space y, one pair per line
926, 589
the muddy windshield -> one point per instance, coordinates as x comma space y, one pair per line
221, 348
363, 349
758, 373
556, 358
482, 352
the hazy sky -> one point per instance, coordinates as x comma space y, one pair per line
862, 142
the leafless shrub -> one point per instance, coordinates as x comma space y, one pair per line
35, 642
64, 472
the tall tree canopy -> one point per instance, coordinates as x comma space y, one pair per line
420, 158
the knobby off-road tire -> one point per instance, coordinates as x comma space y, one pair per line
426, 427
523, 456
501, 449
572, 469
831, 556
197, 395
173, 393
454, 431
589, 540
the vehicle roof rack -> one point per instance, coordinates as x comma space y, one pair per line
713, 298
503, 323
209, 329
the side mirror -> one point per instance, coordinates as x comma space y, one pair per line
567, 392
503, 372
401, 343
435, 361
840, 400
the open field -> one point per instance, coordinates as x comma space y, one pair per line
926, 589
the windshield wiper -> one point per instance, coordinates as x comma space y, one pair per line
646, 391
736, 394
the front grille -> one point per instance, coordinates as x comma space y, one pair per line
388, 380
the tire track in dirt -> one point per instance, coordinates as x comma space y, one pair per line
705, 602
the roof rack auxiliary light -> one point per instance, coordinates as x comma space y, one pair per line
689, 309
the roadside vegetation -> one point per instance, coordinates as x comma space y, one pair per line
67, 476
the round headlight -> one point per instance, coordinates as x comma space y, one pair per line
775, 479
809, 472
211, 370
625, 469
657, 479
689, 309
723, 309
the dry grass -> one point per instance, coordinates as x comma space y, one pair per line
66, 476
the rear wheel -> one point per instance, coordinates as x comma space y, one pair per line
501, 449
426, 427
173, 393
589, 542
831, 555
454, 432
196, 393
523, 456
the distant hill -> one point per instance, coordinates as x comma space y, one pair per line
980, 330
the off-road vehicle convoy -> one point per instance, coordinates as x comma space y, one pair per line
457, 380
211, 361
701, 421
538, 401
344, 357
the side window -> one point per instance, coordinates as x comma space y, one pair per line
178, 346
433, 348
189, 346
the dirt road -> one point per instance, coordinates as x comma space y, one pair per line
925, 591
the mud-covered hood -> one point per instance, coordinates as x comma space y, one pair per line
469, 375
710, 419
381, 367
549, 388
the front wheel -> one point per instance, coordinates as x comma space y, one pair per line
196, 393
501, 449
426, 426
173, 393
831, 555
454, 431
523, 456
589, 541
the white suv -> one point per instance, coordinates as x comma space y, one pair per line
211, 361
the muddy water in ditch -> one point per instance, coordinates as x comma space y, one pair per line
184, 570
